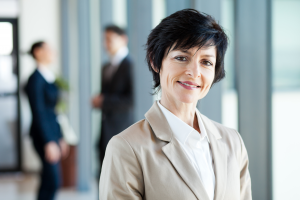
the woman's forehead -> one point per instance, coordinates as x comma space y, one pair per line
209, 50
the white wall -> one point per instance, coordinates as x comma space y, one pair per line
9, 8
38, 20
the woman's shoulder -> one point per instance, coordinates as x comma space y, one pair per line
136, 136
138, 132
35, 77
230, 135
35, 80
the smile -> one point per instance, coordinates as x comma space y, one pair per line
188, 85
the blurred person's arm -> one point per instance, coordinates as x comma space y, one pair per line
121, 174
52, 152
97, 101
64, 148
245, 180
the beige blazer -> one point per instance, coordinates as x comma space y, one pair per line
146, 162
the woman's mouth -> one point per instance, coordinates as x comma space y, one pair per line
189, 85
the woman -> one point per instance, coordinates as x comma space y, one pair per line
176, 152
45, 131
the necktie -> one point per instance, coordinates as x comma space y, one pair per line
109, 72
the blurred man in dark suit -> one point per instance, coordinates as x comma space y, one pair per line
116, 97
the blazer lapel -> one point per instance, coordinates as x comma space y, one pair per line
179, 160
115, 75
174, 152
219, 155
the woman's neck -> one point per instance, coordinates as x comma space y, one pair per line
184, 111
42, 64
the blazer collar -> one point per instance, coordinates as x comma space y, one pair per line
178, 158
163, 131
159, 123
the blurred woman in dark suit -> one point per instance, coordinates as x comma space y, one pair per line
45, 131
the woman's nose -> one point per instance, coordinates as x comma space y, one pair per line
194, 70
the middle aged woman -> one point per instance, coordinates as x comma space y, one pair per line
176, 152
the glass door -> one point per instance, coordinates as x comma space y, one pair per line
9, 97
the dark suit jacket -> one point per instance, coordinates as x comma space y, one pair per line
117, 109
42, 97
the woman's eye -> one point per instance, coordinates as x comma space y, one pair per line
207, 63
180, 58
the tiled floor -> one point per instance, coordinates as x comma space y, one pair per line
23, 187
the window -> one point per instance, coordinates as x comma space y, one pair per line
286, 98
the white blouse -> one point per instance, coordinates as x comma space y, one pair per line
196, 146
46, 73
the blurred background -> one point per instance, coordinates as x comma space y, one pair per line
260, 96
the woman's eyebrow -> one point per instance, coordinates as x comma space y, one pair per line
185, 51
208, 55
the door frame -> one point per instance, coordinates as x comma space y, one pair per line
15, 53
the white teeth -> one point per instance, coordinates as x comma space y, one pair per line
189, 85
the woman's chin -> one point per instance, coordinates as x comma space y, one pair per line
188, 99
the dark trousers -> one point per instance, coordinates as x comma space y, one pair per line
50, 178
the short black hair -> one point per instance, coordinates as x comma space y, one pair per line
116, 29
35, 46
185, 29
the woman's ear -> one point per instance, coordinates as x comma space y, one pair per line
153, 67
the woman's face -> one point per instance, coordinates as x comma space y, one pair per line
187, 75
44, 54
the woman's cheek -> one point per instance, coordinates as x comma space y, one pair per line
167, 81
209, 78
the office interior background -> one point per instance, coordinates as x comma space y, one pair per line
260, 96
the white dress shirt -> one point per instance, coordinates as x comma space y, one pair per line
196, 147
46, 73
119, 56
115, 62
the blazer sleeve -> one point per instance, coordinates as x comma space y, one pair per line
121, 174
245, 180
39, 115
